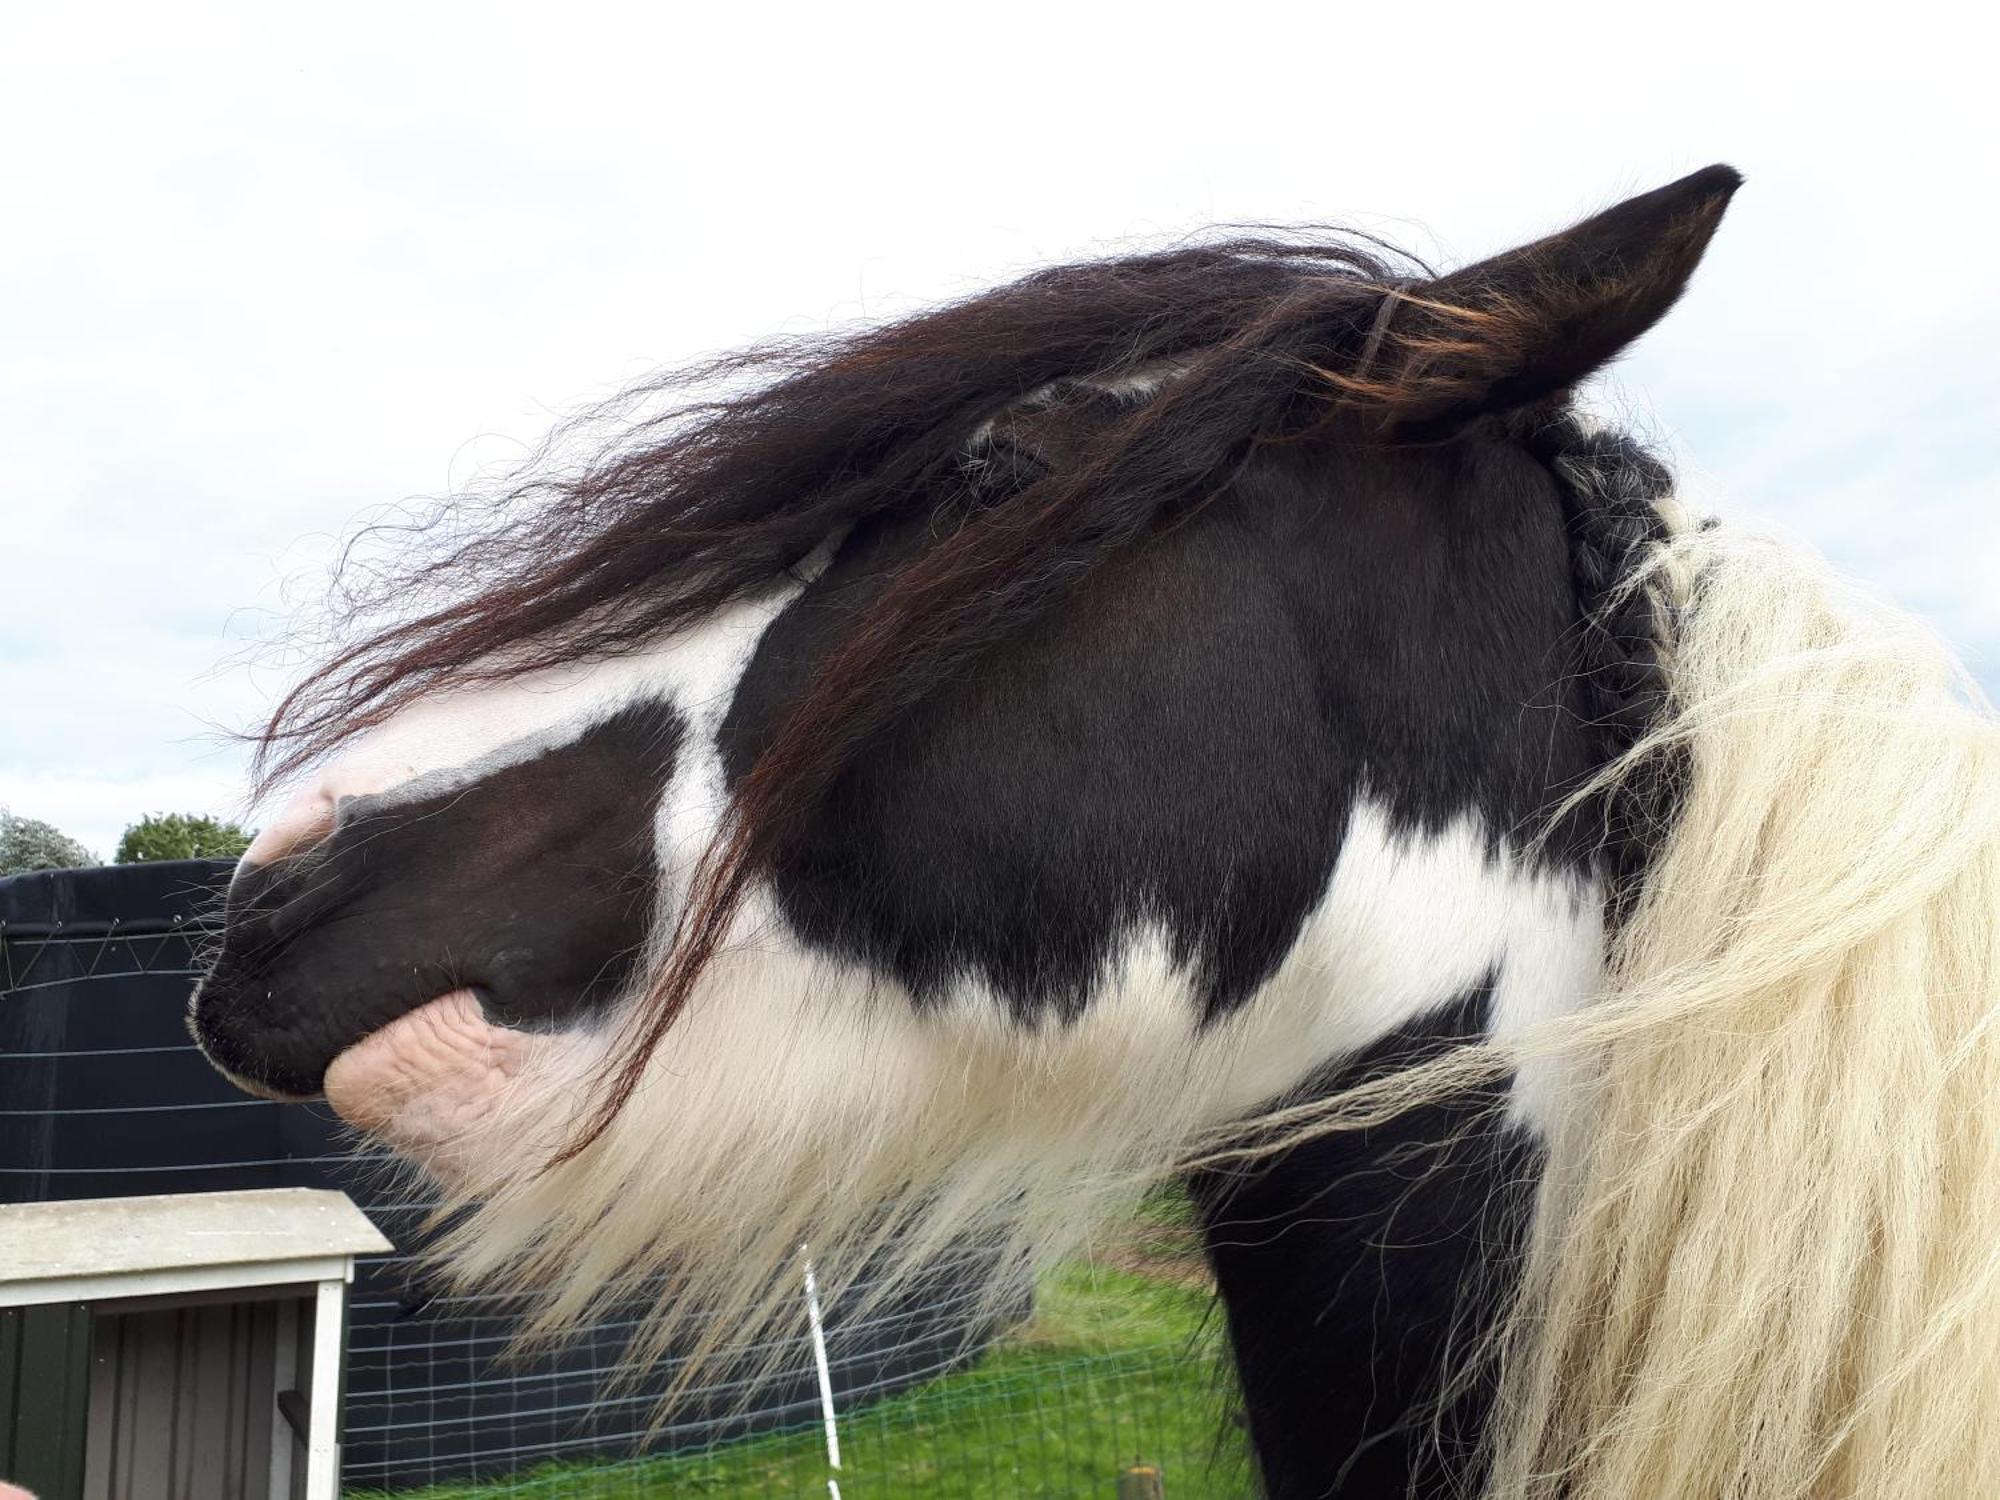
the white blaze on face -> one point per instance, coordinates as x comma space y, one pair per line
452, 737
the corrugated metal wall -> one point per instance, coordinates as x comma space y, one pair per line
183, 1399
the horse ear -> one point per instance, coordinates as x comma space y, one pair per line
1522, 326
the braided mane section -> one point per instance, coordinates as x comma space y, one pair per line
1613, 493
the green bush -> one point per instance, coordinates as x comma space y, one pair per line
30, 844
181, 836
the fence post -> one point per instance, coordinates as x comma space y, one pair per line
1141, 1482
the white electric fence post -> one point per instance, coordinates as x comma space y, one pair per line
825, 1378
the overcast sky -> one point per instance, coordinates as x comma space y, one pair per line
264, 272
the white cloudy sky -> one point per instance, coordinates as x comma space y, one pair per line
263, 271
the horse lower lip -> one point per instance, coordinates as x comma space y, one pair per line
427, 1075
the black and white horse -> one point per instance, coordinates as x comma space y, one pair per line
1219, 711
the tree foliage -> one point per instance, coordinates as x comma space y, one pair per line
181, 836
30, 844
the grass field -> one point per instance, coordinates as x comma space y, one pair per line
1118, 1364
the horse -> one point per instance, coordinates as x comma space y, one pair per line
1230, 710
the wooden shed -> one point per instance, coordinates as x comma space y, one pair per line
181, 1347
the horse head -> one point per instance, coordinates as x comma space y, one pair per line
968, 767
1344, 615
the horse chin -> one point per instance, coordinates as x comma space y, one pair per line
431, 1083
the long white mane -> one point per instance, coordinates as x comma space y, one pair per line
1767, 1258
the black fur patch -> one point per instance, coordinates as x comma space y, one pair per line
1360, 1273
534, 884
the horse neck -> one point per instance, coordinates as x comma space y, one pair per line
1361, 1271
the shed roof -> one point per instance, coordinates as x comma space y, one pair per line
180, 1231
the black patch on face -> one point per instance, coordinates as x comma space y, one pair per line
535, 884
1180, 746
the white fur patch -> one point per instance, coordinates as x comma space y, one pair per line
1412, 921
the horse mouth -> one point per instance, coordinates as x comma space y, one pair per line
442, 1082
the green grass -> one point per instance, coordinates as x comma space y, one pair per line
1113, 1367
1166, 1206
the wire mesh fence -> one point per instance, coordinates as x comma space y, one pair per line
103, 1094
1058, 1427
